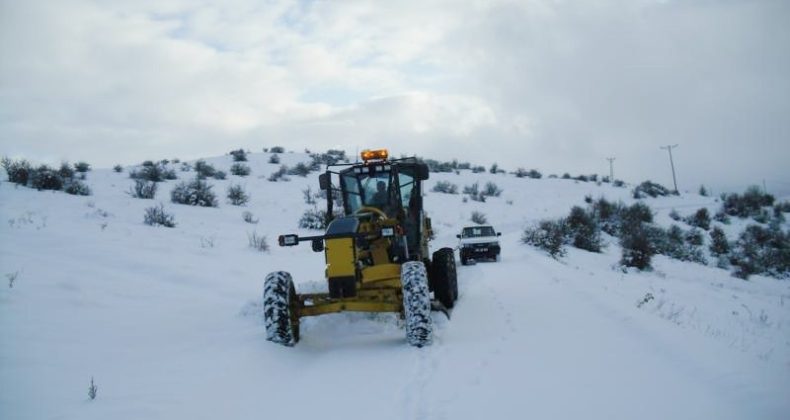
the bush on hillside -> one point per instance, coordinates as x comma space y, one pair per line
479, 218
66, 171
239, 169
313, 219
194, 193
700, 219
747, 205
204, 170
722, 217
300, 169
637, 248
239, 155
491, 190
279, 175
154, 172
82, 167
275, 159
257, 242
76, 187
532, 173
718, 242
117, 168
650, 189
331, 157
46, 178
548, 235
607, 215
143, 189
683, 246
277, 149
584, 230
18, 171
157, 216
760, 250
249, 217
445, 187
237, 196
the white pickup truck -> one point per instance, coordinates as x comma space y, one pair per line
477, 242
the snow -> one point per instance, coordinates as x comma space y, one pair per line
169, 322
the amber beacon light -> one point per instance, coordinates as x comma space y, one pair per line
380, 154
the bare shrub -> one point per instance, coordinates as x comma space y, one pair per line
237, 196
239, 155
279, 175
479, 218
240, 169
157, 216
82, 167
204, 169
258, 242
92, 390
445, 187
309, 197
249, 217
548, 235
301, 169
313, 219
194, 193
652, 189
76, 187
143, 189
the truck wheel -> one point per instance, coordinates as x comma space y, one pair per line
280, 309
416, 304
444, 278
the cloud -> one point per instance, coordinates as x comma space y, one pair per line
547, 84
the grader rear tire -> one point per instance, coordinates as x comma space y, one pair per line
280, 309
416, 304
444, 277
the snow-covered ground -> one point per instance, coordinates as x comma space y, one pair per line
168, 321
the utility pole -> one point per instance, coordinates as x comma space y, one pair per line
672, 164
611, 169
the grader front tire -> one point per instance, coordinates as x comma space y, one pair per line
416, 304
280, 309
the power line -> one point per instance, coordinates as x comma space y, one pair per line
672, 164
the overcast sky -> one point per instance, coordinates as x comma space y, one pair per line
547, 84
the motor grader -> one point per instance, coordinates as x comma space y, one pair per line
376, 252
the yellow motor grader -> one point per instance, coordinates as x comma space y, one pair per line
377, 254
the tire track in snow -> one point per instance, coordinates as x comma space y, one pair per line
417, 400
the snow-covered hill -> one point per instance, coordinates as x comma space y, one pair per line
168, 321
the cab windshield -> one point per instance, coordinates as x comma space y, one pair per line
476, 232
367, 190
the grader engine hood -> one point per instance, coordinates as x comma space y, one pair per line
340, 252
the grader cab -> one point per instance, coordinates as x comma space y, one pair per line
377, 254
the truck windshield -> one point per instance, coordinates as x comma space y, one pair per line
475, 232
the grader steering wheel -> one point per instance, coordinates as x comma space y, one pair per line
371, 209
